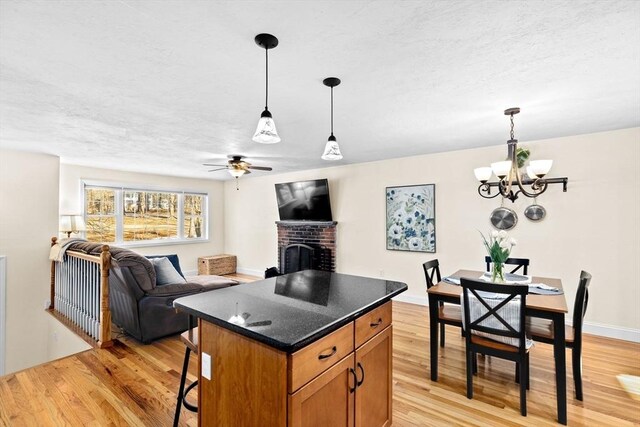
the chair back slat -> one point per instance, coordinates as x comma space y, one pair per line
520, 263
431, 272
580, 304
495, 311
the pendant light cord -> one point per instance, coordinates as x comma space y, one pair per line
332, 110
266, 91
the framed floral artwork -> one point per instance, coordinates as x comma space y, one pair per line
411, 218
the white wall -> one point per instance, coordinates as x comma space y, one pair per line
28, 219
71, 177
594, 226
61, 342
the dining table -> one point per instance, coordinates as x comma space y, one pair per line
553, 307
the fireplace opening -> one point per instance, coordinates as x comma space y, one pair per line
306, 245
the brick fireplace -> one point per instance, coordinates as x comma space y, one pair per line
320, 235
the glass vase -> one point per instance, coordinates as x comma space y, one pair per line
497, 272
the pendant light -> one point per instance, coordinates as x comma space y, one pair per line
332, 149
266, 132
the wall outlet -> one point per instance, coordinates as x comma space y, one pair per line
381, 273
54, 335
206, 366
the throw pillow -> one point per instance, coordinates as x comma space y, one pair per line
166, 274
173, 258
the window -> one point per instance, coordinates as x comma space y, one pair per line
100, 215
118, 214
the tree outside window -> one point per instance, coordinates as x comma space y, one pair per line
125, 215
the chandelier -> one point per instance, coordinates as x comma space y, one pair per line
510, 181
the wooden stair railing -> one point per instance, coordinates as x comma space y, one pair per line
80, 295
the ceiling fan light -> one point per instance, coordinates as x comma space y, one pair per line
483, 174
332, 150
236, 173
540, 167
266, 132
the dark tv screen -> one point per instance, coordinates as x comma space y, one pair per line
304, 201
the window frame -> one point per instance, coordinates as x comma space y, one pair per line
121, 188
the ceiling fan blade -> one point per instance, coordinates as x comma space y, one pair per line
220, 169
260, 168
210, 164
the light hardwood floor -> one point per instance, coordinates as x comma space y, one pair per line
135, 384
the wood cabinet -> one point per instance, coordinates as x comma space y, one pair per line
373, 395
328, 400
342, 379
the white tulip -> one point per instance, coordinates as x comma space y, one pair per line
513, 241
494, 234
503, 234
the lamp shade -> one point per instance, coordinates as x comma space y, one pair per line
266, 132
501, 169
530, 173
332, 150
483, 174
72, 224
236, 173
540, 167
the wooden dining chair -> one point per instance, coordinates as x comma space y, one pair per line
520, 263
448, 314
494, 324
190, 340
542, 330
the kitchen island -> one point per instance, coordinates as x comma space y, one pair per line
304, 349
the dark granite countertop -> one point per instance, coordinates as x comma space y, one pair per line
291, 311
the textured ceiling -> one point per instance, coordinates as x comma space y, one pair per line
163, 86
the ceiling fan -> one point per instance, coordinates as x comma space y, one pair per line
236, 166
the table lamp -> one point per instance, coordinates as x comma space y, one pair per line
72, 224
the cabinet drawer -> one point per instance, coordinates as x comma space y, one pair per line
306, 364
373, 322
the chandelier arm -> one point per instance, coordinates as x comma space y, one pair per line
538, 183
486, 188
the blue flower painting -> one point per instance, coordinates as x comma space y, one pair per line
411, 218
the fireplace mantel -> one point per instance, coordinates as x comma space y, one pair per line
303, 223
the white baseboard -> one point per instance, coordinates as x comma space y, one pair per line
250, 271
412, 299
617, 332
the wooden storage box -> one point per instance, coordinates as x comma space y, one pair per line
217, 264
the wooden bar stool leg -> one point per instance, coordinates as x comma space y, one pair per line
183, 378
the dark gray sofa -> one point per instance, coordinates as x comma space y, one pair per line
140, 307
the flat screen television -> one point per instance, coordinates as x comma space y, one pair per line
304, 201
